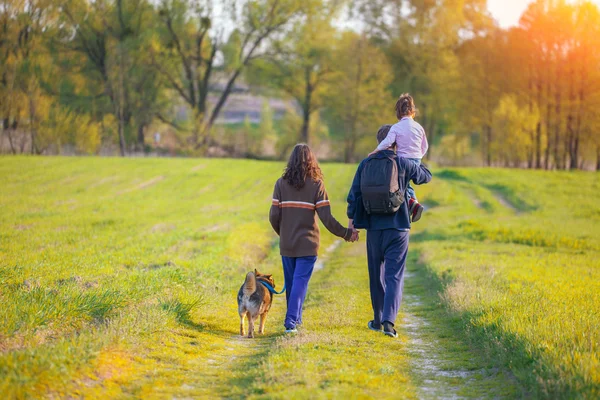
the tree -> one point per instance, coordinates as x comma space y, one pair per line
23, 53
186, 54
421, 43
104, 44
481, 60
358, 101
513, 123
302, 63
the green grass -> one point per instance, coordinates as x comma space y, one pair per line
118, 279
522, 272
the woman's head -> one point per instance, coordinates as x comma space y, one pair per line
301, 166
405, 106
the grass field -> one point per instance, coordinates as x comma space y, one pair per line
118, 279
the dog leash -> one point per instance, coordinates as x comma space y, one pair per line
271, 288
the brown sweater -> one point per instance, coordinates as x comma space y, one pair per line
294, 219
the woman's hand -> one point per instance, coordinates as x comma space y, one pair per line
355, 233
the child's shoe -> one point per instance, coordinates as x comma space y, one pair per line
415, 209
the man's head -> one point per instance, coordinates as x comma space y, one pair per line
383, 132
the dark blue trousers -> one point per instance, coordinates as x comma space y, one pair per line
386, 280
297, 272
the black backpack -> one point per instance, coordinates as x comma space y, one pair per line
379, 185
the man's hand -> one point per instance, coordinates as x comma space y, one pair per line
373, 152
354, 236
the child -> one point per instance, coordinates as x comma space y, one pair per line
299, 196
411, 143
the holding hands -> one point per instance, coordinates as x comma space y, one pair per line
355, 233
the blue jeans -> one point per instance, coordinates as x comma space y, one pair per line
386, 256
297, 272
409, 188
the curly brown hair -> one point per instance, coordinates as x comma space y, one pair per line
405, 106
302, 165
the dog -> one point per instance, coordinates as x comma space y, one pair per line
254, 300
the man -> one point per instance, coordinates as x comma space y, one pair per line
387, 238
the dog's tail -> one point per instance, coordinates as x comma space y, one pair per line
249, 284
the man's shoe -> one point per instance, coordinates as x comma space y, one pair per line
374, 327
388, 330
291, 330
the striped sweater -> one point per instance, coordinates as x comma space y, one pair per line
293, 216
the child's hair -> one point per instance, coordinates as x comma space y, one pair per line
301, 166
405, 106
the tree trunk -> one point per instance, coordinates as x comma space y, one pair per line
548, 135
6, 128
530, 150
304, 133
215, 112
538, 145
140, 136
557, 115
306, 107
569, 143
488, 145
538, 128
349, 151
10, 141
121, 103
31, 127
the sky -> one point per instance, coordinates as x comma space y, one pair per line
508, 12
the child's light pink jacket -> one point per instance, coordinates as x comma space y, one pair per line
410, 139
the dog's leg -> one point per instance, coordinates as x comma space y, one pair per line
263, 319
250, 326
242, 318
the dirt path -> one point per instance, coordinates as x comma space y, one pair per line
224, 369
443, 364
429, 361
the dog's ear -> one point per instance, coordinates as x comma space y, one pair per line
256, 272
269, 276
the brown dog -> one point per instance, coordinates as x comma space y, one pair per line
254, 299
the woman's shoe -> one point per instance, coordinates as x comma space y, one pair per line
374, 327
291, 330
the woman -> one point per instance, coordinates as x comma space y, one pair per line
298, 196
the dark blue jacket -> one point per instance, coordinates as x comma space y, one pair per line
407, 170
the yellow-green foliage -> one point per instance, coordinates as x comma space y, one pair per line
118, 278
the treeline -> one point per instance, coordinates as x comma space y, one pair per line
89, 73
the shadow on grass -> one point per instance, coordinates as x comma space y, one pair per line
507, 195
426, 236
504, 349
451, 175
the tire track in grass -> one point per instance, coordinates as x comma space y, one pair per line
505, 203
